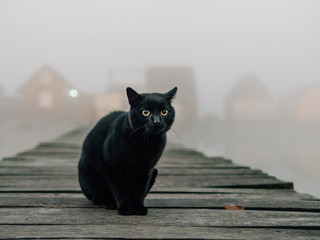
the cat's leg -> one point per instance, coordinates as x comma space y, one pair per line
104, 198
140, 185
95, 188
152, 179
117, 181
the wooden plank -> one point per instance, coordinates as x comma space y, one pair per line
162, 163
194, 166
41, 149
166, 158
161, 217
30, 162
244, 181
60, 161
188, 190
178, 154
114, 231
72, 170
37, 171
50, 154
45, 155
249, 204
268, 200
182, 156
33, 158
170, 150
59, 145
69, 182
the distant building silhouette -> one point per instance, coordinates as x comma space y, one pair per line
163, 79
46, 95
249, 100
114, 97
303, 105
108, 101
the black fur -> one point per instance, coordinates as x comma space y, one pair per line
116, 168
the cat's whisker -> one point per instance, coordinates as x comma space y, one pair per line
176, 133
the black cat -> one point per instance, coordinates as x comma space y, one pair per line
116, 168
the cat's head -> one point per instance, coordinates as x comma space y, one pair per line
151, 111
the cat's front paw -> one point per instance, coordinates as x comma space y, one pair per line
125, 211
142, 210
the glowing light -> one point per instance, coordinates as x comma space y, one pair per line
73, 93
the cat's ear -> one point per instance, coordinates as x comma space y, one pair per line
133, 96
171, 94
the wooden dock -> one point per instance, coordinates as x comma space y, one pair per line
195, 197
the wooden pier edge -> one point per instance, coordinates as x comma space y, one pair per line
194, 197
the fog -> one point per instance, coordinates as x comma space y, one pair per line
247, 72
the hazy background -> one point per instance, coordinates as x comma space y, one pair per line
272, 46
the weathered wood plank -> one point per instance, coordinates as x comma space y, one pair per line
188, 190
72, 161
74, 156
30, 162
162, 217
59, 145
63, 161
268, 200
253, 181
50, 154
172, 150
69, 182
113, 231
166, 155
221, 202
72, 170
182, 155
45, 161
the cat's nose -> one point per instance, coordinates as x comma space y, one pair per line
156, 120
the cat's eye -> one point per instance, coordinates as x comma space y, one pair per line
146, 113
164, 112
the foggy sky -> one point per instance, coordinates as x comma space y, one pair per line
278, 40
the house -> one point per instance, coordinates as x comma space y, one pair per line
249, 100
163, 79
303, 106
114, 98
47, 96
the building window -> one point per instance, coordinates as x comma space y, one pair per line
45, 99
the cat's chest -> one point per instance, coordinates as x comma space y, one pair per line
144, 158
150, 147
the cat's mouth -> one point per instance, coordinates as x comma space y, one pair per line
157, 130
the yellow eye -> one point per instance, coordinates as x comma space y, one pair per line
146, 113
164, 112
